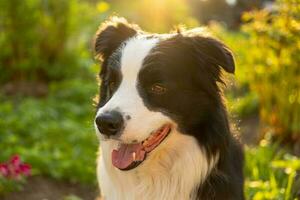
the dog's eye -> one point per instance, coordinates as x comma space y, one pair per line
158, 89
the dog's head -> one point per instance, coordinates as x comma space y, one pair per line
152, 84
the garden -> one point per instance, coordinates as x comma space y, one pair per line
48, 87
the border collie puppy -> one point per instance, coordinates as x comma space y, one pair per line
161, 120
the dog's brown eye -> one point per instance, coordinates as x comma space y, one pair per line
158, 89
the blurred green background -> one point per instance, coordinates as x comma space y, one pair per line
48, 82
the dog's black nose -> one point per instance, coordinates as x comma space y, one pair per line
109, 123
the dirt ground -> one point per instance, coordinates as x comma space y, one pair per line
43, 188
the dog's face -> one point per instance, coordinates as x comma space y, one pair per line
153, 84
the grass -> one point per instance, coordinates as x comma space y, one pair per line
270, 173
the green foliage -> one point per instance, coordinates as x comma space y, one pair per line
42, 40
274, 49
50, 41
72, 197
55, 135
270, 173
242, 105
10, 185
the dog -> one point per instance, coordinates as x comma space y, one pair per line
161, 120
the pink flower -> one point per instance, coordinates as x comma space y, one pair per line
14, 168
16, 172
15, 160
25, 169
4, 171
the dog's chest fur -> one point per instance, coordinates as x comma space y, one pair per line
172, 173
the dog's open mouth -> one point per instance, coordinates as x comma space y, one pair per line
129, 156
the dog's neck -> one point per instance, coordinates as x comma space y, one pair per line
168, 174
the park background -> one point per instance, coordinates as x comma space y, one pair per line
48, 83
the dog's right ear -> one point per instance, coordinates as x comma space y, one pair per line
110, 36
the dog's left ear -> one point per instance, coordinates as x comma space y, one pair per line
214, 50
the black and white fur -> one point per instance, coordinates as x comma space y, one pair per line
200, 159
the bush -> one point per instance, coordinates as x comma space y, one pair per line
43, 41
55, 135
274, 49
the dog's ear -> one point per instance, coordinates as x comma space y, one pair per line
111, 34
212, 49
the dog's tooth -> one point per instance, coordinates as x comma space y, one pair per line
133, 156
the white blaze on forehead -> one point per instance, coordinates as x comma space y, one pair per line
126, 98
133, 55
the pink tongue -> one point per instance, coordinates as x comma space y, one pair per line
127, 154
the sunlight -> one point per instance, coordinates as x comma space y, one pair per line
163, 15
231, 2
